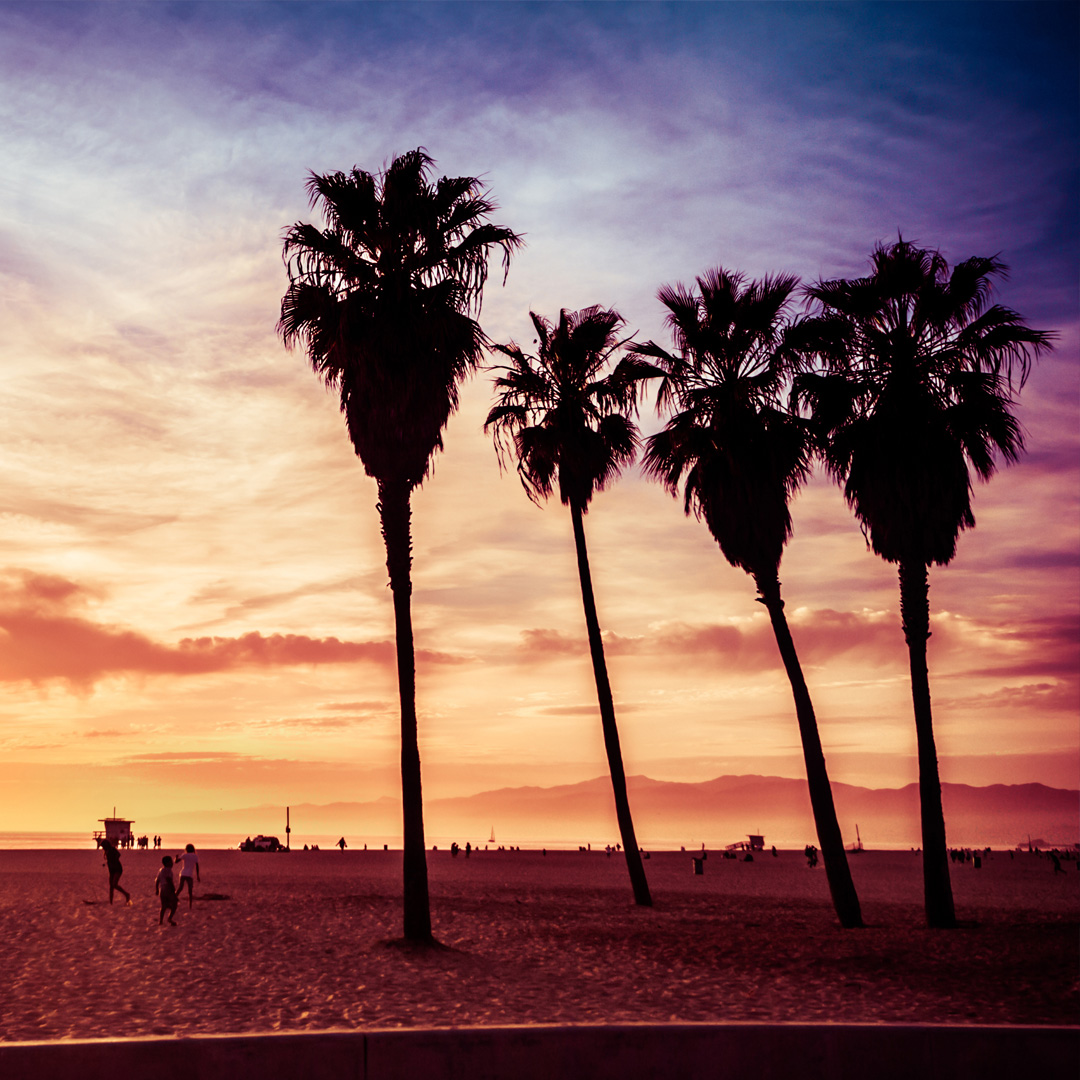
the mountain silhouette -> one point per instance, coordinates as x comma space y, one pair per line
713, 812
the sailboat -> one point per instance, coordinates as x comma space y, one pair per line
856, 848
492, 840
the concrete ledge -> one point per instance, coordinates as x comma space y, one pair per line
602, 1052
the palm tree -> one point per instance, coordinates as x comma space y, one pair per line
915, 389
569, 424
382, 299
740, 456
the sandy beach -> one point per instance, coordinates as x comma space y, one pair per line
305, 941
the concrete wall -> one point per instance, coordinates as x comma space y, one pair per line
607, 1052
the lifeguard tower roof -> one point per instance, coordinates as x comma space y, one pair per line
117, 830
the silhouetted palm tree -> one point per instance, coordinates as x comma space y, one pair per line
741, 455
916, 387
569, 424
382, 299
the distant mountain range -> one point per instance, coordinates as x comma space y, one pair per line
666, 815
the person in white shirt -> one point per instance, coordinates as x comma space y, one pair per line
189, 872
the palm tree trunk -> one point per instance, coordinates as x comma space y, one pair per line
607, 719
395, 514
915, 615
845, 899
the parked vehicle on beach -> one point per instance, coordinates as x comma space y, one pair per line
262, 843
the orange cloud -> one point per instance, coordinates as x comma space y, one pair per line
820, 636
539, 643
1049, 649
1021, 700
44, 635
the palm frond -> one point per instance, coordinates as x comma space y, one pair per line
565, 411
383, 298
732, 443
913, 384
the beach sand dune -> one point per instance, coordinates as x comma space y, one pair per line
306, 941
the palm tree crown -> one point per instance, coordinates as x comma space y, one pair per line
568, 423
918, 379
382, 298
740, 454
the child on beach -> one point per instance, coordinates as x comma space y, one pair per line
165, 887
189, 872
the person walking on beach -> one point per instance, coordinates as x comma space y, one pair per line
189, 872
112, 861
165, 887
341, 844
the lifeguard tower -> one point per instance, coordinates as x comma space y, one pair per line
753, 842
117, 831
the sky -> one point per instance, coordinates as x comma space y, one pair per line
194, 611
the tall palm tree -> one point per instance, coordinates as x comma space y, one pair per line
915, 389
740, 456
382, 299
569, 424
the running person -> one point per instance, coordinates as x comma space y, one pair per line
112, 860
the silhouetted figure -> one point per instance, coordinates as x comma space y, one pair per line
811, 856
468, 848
165, 887
341, 844
1057, 863
112, 861
189, 872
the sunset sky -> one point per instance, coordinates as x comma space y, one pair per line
193, 602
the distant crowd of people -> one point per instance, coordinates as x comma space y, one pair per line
142, 843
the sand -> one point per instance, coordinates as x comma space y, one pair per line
304, 941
